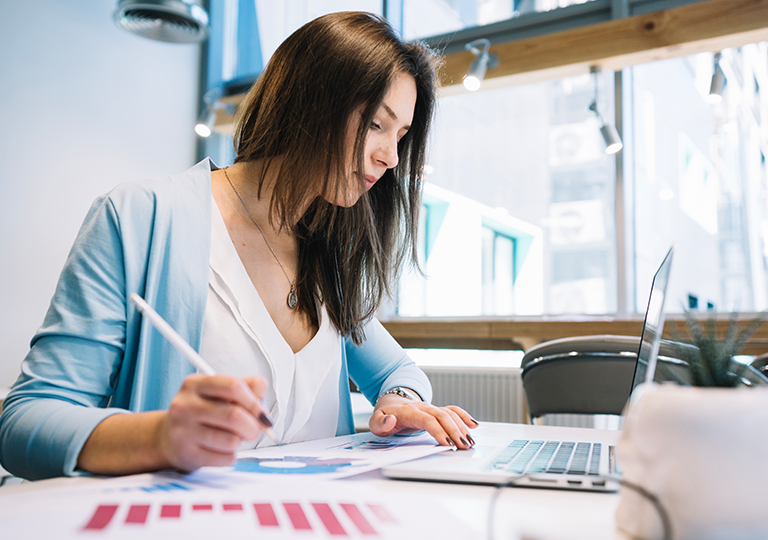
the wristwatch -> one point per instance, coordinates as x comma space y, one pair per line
406, 393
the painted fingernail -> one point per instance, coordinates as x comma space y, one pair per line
470, 439
450, 441
265, 420
475, 421
463, 441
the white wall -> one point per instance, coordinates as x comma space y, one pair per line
83, 106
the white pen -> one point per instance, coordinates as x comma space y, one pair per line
184, 348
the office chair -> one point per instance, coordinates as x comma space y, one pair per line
593, 374
760, 363
590, 374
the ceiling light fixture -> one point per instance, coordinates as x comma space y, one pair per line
172, 21
483, 61
206, 122
718, 83
204, 125
611, 137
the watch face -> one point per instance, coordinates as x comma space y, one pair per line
402, 392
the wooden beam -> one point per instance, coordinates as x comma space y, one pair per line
613, 45
492, 334
521, 333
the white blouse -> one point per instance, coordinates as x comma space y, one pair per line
241, 339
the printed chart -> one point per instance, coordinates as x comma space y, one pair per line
338, 519
277, 493
160, 487
333, 458
159, 506
296, 465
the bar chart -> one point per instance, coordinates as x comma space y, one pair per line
209, 504
312, 518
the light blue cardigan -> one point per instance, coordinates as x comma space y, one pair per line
95, 356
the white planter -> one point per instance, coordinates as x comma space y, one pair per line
704, 453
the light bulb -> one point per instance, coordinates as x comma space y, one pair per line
471, 83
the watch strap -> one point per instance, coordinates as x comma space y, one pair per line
406, 393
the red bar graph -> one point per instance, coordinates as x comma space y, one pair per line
297, 516
170, 511
101, 517
382, 513
358, 519
266, 515
329, 519
137, 514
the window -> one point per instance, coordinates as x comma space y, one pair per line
424, 18
278, 20
521, 169
700, 179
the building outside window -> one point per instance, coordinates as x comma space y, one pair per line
498, 253
700, 179
532, 154
476, 260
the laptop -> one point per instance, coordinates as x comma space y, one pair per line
546, 456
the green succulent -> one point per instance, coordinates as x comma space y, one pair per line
711, 361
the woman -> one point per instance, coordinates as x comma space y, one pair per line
272, 268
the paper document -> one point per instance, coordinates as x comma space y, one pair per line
337, 457
166, 506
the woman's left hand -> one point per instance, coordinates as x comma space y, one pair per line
448, 425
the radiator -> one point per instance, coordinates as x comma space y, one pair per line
494, 394
489, 394
597, 421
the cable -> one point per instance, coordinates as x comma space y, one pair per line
653, 499
666, 522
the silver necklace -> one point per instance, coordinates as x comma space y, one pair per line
292, 298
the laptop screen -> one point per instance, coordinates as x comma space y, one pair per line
653, 326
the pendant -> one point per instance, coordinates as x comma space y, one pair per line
292, 298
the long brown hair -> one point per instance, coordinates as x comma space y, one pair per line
331, 68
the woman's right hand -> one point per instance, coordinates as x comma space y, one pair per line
208, 419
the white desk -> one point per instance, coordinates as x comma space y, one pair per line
528, 513
540, 514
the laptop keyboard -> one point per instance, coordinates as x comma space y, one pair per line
529, 457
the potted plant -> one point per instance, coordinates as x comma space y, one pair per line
697, 453
711, 361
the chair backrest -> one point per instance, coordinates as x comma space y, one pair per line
590, 374
593, 374
760, 363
